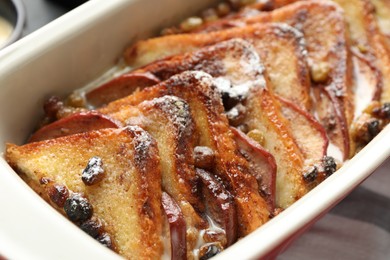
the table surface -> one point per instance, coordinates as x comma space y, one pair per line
357, 228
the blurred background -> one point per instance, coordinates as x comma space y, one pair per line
19, 18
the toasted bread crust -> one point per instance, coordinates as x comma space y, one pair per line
127, 200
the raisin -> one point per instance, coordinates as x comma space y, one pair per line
58, 194
204, 157
223, 9
235, 4
236, 115
75, 100
382, 112
229, 100
330, 165
311, 174
191, 24
78, 208
209, 15
373, 128
52, 106
92, 227
244, 3
320, 72
105, 240
209, 250
94, 171
257, 136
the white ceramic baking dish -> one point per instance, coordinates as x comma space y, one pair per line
74, 50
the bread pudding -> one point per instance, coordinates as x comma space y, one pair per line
213, 129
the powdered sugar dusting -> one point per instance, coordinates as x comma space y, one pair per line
142, 142
243, 69
176, 109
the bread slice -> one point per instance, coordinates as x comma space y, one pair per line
264, 115
280, 47
126, 200
169, 121
212, 129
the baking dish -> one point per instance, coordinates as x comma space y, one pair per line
69, 53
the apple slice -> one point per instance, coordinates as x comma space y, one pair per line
219, 204
309, 134
177, 227
329, 112
264, 115
120, 87
73, 124
262, 165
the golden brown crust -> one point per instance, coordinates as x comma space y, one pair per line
127, 200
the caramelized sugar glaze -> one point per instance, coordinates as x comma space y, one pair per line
204, 134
